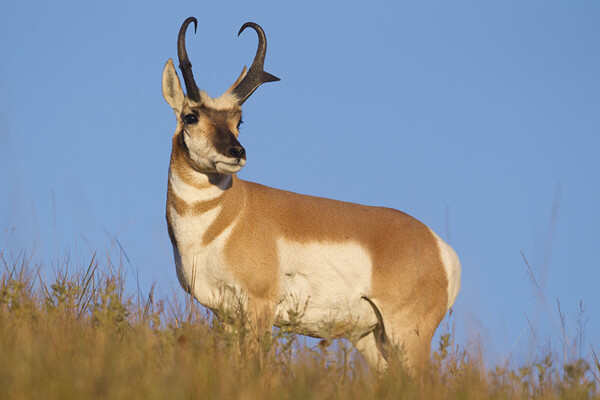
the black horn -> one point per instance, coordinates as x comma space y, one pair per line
256, 75
184, 62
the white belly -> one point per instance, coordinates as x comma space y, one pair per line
321, 288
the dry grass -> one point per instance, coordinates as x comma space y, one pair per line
81, 336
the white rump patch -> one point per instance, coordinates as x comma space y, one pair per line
227, 101
452, 267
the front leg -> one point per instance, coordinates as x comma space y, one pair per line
261, 316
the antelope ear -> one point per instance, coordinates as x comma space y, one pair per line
171, 87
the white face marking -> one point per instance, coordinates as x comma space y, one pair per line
206, 156
452, 267
328, 279
201, 151
225, 167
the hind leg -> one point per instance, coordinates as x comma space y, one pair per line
404, 335
369, 349
411, 338
409, 347
411, 350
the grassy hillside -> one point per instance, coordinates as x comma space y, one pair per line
82, 336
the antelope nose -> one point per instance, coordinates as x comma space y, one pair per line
237, 152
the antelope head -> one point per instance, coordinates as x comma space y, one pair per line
208, 128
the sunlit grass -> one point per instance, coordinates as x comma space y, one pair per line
82, 336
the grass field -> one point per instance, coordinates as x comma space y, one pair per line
81, 336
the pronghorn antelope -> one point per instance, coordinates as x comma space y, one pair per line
373, 275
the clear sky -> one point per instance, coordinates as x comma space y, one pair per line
481, 119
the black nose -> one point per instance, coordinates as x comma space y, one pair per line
237, 152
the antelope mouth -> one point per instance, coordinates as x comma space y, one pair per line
229, 167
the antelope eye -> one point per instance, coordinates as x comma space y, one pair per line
239, 123
190, 119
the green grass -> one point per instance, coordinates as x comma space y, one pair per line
82, 336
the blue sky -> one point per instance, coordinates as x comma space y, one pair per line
479, 118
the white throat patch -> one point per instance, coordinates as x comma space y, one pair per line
192, 194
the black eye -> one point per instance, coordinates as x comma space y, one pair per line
190, 119
239, 123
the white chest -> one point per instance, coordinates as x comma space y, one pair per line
201, 266
199, 262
